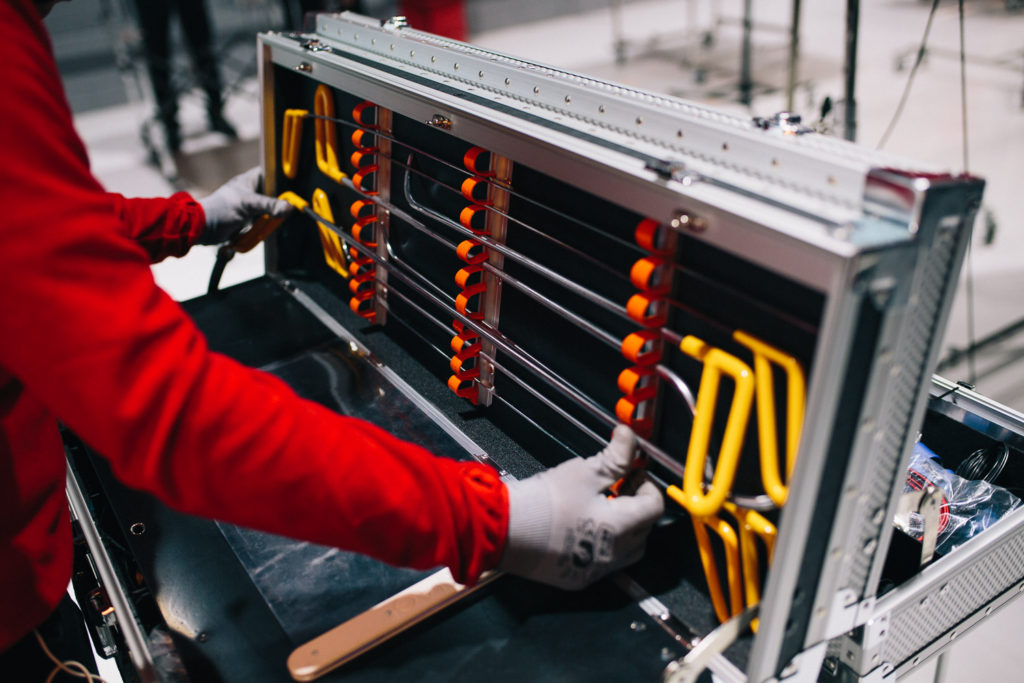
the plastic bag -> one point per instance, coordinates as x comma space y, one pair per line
967, 507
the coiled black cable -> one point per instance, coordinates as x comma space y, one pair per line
985, 464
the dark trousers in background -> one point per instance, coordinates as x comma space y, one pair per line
155, 23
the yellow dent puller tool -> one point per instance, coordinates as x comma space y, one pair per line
742, 568
767, 428
264, 225
730, 543
716, 362
334, 247
291, 138
326, 136
753, 525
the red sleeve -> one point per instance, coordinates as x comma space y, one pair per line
89, 334
164, 227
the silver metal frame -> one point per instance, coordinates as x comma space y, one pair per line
827, 214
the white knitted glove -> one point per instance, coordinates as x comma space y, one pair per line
235, 204
565, 531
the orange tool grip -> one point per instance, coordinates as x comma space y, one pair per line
360, 110
359, 286
647, 311
474, 218
463, 276
477, 191
362, 175
361, 159
463, 337
458, 362
360, 227
643, 347
638, 383
362, 305
361, 208
464, 298
463, 389
650, 275
472, 252
471, 160
359, 140
651, 236
626, 410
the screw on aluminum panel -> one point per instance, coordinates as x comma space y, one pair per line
440, 121
508, 81
688, 222
924, 603
304, 67
869, 547
568, 99
875, 659
638, 626
944, 590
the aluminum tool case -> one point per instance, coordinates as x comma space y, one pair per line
489, 243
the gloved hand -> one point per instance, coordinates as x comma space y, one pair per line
564, 531
235, 204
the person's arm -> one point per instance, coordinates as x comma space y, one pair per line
169, 227
86, 330
162, 226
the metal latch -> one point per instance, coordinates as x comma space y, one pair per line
314, 45
786, 122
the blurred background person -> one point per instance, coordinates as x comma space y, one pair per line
155, 22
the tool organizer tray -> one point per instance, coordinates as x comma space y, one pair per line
761, 304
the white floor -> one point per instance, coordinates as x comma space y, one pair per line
930, 130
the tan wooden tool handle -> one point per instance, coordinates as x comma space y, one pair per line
380, 623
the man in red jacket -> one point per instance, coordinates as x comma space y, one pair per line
87, 338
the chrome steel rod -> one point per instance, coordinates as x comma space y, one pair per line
511, 254
533, 365
467, 172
